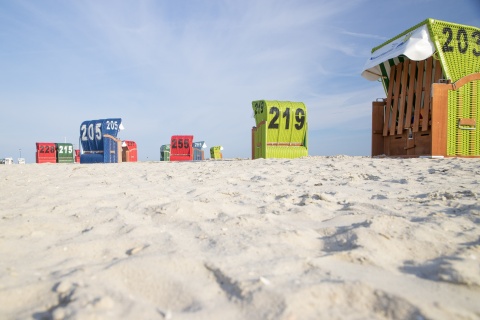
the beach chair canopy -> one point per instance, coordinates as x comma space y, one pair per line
199, 145
165, 147
456, 46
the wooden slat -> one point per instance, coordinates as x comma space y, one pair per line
427, 89
254, 130
396, 93
439, 119
467, 122
378, 114
438, 72
386, 119
411, 89
418, 95
403, 96
462, 81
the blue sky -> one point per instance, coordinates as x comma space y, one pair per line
194, 67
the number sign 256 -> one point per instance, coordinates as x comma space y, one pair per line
180, 144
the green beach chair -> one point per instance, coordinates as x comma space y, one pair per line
431, 77
280, 131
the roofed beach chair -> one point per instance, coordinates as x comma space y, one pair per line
99, 142
431, 77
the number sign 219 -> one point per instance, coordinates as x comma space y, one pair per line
299, 118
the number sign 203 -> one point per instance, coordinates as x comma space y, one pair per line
464, 40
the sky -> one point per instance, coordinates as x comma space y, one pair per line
194, 67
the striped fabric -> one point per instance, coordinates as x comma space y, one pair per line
386, 68
415, 44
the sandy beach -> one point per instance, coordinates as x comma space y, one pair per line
311, 238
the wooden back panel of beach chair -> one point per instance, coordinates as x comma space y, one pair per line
408, 103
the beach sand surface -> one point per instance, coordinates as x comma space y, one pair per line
313, 238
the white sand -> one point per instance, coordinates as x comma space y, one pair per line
314, 238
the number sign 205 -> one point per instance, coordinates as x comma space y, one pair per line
92, 130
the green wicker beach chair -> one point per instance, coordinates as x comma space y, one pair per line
431, 76
216, 152
281, 129
165, 152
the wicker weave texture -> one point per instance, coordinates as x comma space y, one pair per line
458, 48
464, 103
281, 130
